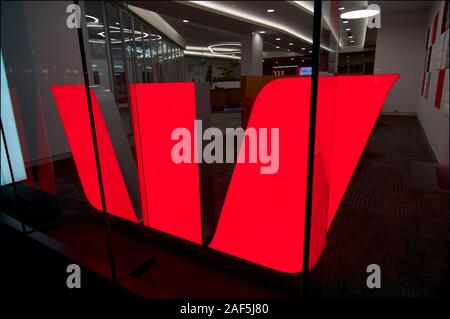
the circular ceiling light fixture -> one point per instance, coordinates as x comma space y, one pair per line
94, 19
290, 43
345, 21
359, 13
278, 39
225, 48
270, 10
277, 47
262, 32
185, 21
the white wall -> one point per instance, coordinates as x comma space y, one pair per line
435, 122
400, 49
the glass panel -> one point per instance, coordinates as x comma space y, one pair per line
117, 56
165, 54
44, 88
156, 58
148, 53
127, 41
97, 45
325, 122
139, 51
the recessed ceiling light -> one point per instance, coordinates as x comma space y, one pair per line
360, 13
277, 47
276, 62
185, 21
352, 41
288, 50
262, 32
270, 10
292, 58
341, 8
222, 8
345, 21
350, 37
303, 48
303, 60
290, 43
310, 51
278, 39
348, 29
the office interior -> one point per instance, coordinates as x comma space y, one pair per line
393, 213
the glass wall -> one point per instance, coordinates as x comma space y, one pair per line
90, 117
96, 173
55, 161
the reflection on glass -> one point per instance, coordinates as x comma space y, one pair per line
97, 45
138, 36
148, 53
118, 67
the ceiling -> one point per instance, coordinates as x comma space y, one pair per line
402, 6
287, 30
214, 27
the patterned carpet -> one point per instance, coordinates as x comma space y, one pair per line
381, 220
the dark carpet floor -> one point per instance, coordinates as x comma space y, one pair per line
382, 220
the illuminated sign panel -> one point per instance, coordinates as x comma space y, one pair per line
11, 137
262, 219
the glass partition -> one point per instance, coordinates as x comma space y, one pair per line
147, 44
42, 84
101, 174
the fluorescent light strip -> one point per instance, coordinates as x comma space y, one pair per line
284, 66
210, 55
224, 50
207, 49
225, 10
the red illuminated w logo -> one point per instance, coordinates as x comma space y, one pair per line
262, 219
